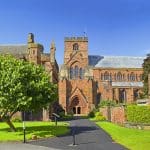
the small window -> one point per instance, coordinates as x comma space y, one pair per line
75, 46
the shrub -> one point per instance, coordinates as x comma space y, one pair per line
138, 114
91, 114
99, 117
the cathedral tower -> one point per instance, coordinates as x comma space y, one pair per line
75, 78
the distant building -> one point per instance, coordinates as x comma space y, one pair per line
33, 52
84, 80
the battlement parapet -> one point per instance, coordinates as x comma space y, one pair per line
67, 39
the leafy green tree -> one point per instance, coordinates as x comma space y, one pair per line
23, 87
146, 71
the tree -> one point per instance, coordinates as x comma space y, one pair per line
146, 71
23, 87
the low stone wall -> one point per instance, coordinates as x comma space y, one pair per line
137, 126
114, 114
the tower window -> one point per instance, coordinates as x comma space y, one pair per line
81, 73
75, 46
71, 73
76, 72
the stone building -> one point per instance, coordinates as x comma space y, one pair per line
84, 80
34, 52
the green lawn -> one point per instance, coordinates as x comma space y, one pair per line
40, 129
133, 139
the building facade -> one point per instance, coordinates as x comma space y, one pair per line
85, 80
34, 53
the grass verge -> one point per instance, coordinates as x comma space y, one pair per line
133, 139
40, 129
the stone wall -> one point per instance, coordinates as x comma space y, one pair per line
114, 114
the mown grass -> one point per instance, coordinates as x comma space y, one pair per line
133, 139
40, 129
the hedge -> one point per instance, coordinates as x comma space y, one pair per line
138, 114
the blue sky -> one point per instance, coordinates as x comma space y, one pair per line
114, 27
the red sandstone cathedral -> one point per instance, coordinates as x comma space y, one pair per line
84, 80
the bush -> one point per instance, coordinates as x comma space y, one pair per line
138, 114
17, 119
91, 114
99, 117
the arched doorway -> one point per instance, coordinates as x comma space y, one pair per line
75, 108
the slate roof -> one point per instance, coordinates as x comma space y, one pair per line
116, 61
14, 49
128, 84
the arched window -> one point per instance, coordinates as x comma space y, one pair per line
119, 76
71, 73
81, 73
106, 76
132, 76
75, 46
76, 72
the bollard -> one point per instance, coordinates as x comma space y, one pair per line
73, 137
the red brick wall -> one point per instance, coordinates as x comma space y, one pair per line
117, 114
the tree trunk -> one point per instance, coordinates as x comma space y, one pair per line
12, 127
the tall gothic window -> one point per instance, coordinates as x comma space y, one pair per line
71, 73
119, 76
76, 72
81, 73
75, 46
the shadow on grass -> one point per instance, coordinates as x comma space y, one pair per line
42, 130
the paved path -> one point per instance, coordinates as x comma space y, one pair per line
87, 137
